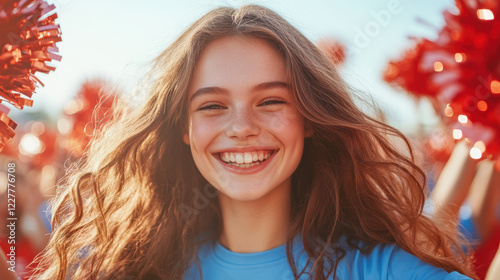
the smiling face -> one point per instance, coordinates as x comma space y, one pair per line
245, 133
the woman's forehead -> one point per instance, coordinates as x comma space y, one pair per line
237, 61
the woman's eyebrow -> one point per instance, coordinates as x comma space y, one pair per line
208, 90
223, 91
270, 85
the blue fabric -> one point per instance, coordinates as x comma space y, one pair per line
468, 229
384, 262
45, 215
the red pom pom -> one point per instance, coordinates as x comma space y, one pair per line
28, 40
461, 71
333, 49
82, 118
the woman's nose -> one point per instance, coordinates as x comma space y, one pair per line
243, 124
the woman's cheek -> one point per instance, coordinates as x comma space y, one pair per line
204, 129
284, 121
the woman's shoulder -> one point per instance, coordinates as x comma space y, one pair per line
389, 261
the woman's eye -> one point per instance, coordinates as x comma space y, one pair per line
211, 107
272, 102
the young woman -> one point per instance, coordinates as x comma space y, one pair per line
248, 159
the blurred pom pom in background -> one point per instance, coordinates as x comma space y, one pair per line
84, 115
333, 49
460, 72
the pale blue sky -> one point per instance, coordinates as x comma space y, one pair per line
116, 39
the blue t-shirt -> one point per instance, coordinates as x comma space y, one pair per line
384, 262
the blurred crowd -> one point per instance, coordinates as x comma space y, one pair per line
34, 162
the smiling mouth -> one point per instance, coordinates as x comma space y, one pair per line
247, 159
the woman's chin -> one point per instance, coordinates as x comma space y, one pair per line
243, 192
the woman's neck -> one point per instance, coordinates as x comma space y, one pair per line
255, 226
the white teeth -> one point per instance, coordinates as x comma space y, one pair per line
239, 158
248, 157
261, 156
245, 165
255, 157
243, 159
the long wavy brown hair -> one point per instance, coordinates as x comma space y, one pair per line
137, 205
